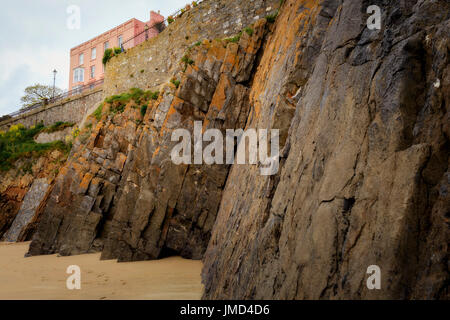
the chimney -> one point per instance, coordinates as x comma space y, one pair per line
155, 17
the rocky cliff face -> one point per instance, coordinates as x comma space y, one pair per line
23, 189
363, 180
122, 194
364, 177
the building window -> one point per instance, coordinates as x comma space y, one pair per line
78, 75
120, 41
81, 60
94, 53
105, 46
92, 72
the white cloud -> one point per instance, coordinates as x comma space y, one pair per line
38, 41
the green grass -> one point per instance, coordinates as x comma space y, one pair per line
19, 142
58, 126
139, 96
249, 31
98, 112
187, 61
234, 39
175, 82
109, 53
272, 17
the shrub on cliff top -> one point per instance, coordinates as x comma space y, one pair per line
139, 96
19, 142
151, 95
58, 126
109, 53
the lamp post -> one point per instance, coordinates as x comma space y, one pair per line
54, 83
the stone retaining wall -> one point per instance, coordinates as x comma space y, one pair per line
68, 110
153, 62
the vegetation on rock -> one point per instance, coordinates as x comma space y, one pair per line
272, 17
187, 61
109, 53
58, 126
176, 82
19, 142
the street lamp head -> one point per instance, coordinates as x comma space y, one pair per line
54, 71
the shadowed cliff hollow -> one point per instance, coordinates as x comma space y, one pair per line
364, 137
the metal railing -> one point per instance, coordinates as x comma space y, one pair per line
64, 95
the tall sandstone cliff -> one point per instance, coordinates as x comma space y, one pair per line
121, 194
363, 178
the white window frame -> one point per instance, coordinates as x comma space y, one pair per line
106, 45
120, 41
78, 75
92, 70
81, 59
93, 53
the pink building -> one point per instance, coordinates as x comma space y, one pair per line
86, 64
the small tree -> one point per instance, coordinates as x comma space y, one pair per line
38, 93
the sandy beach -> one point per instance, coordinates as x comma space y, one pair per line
44, 277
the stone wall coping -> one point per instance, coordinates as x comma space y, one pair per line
51, 106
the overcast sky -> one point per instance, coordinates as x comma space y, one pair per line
36, 39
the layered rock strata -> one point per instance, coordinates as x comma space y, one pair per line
364, 173
122, 194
